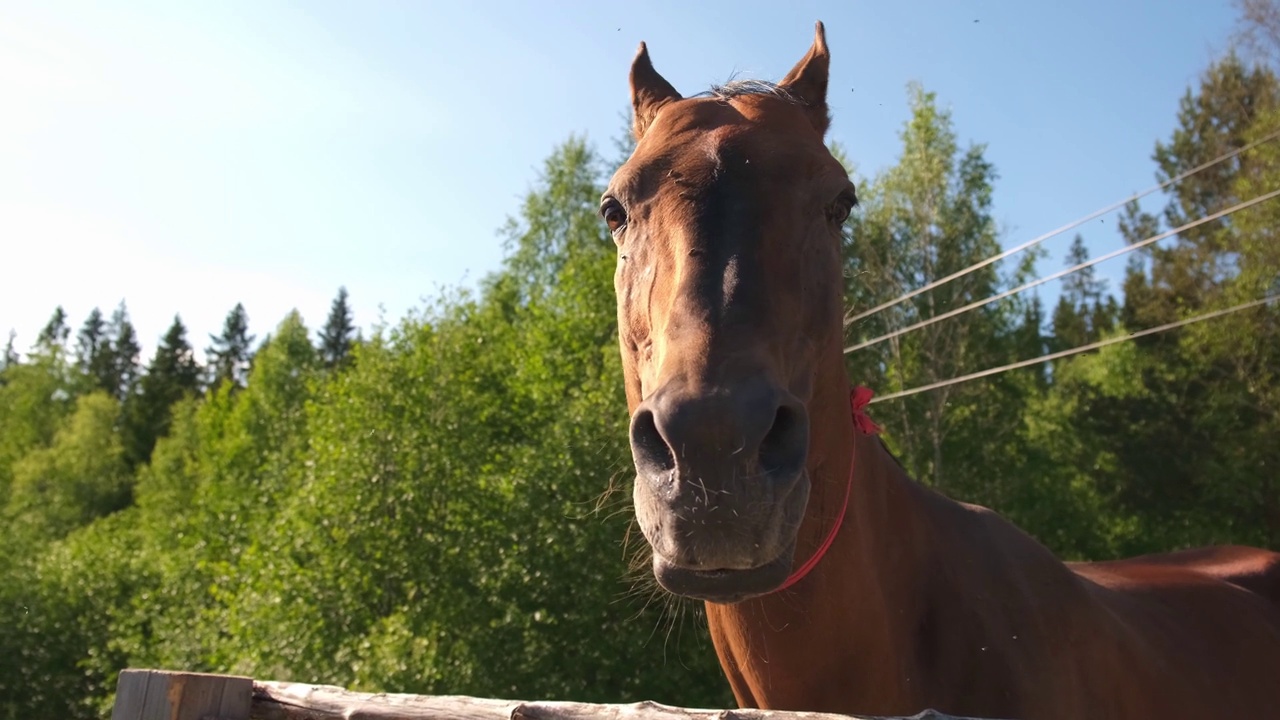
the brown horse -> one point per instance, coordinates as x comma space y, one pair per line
727, 219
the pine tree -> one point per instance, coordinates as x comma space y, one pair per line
228, 357
1082, 288
10, 354
90, 339
125, 354
338, 332
1104, 316
1207, 390
1030, 341
1188, 271
55, 333
1070, 327
172, 375
1084, 311
94, 352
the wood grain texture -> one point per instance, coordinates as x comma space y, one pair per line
293, 701
164, 695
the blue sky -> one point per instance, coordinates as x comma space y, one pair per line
187, 156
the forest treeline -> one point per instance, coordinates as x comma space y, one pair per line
442, 507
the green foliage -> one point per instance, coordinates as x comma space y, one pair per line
60, 656
79, 477
923, 219
1190, 271
172, 375
1085, 312
35, 397
1175, 434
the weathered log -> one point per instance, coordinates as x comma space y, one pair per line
162, 695
292, 701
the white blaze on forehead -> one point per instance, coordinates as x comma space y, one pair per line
715, 142
729, 283
642, 287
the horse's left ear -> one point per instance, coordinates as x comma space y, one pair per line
808, 80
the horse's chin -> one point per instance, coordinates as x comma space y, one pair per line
723, 586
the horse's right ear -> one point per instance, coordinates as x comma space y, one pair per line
649, 92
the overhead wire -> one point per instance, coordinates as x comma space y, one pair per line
1040, 281
1053, 233
1075, 351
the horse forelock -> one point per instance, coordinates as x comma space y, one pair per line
739, 88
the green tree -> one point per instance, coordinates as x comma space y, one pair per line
213, 491
10, 357
125, 355
338, 333
1085, 311
1067, 495
922, 219
553, 224
55, 332
35, 397
1189, 271
95, 355
229, 356
80, 476
70, 479
1110, 420
1242, 353
1031, 340
1198, 400
172, 375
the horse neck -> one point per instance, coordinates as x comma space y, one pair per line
884, 534
854, 609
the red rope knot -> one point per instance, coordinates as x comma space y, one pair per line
858, 399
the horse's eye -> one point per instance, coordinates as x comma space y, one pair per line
840, 209
614, 216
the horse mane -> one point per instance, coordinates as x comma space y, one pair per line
738, 88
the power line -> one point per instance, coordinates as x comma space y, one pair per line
1116, 253
1069, 226
1075, 351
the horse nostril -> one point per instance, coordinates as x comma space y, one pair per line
784, 448
648, 447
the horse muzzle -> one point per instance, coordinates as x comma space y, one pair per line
721, 486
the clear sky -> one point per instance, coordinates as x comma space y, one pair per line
187, 156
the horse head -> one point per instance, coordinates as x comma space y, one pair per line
727, 219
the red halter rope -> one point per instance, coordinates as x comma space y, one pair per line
858, 400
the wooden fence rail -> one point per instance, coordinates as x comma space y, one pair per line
165, 695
